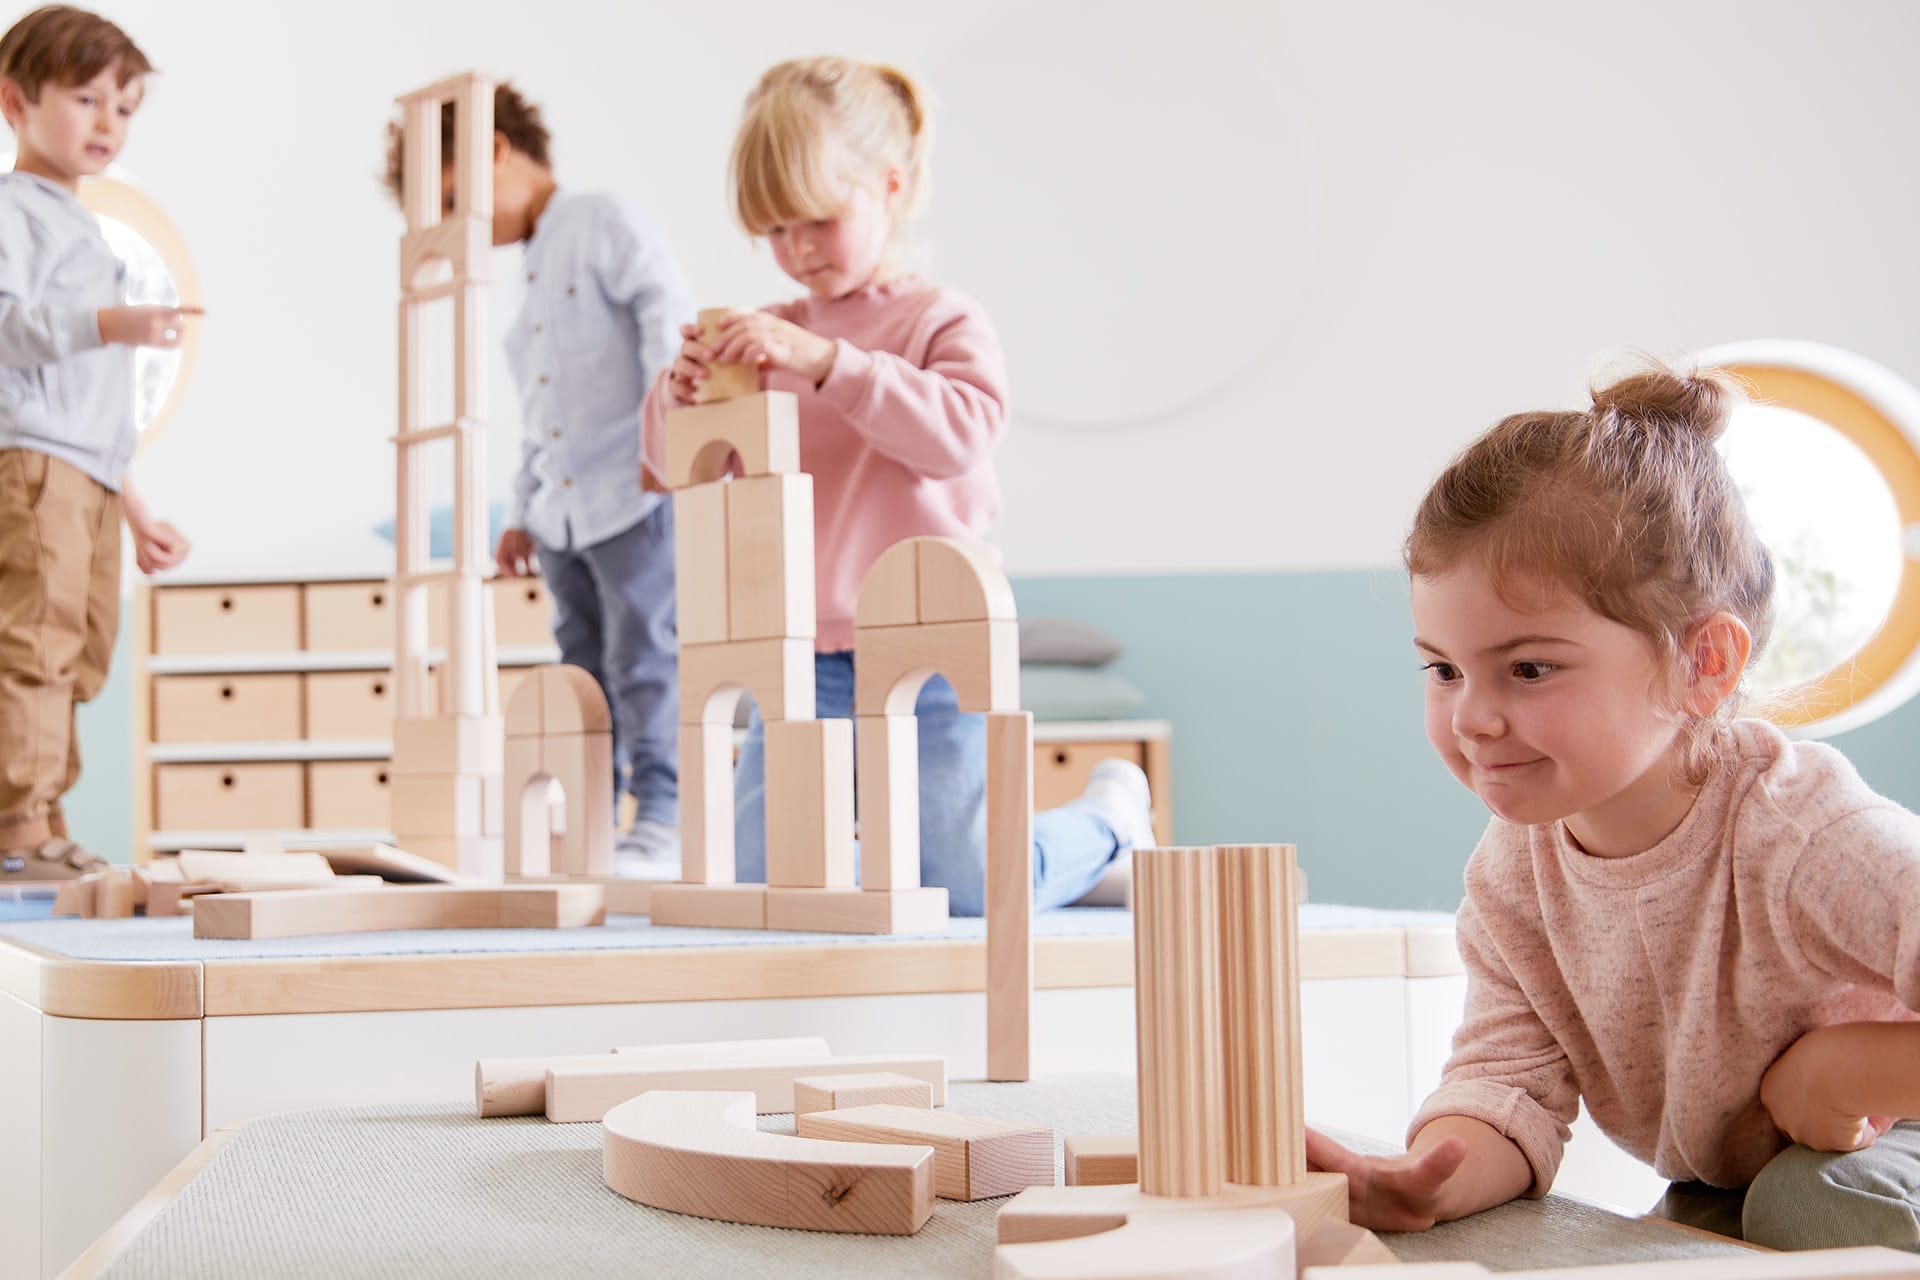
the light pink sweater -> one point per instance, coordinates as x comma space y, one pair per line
1659, 988
899, 439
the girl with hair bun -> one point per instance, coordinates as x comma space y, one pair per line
903, 398
1706, 933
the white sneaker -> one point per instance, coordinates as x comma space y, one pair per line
645, 850
1117, 793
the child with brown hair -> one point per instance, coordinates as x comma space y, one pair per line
69, 82
903, 398
1707, 933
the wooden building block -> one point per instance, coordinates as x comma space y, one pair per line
700, 1154
770, 557
450, 744
1189, 1244
778, 673
890, 593
809, 803
390, 863
480, 858
448, 804
962, 581
710, 906
76, 897
525, 716
921, 910
1264, 1110
577, 1092
216, 865
1177, 1001
113, 899
1101, 1160
1809, 1264
700, 562
304, 912
889, 790
859, 1089
518, 1086
526, 818
1341, 1244
582, 763
571, 700
1009, 894
724, 381
762, 430
973, 1158
706, 803
1062, 1213
980, 659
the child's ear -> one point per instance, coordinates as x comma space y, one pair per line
500, 147
1716, 656
13, 101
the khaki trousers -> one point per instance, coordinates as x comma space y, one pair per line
59, 615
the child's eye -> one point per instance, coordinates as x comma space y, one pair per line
1531, 671
1443, 672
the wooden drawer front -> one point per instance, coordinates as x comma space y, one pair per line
197, 797
349, 615
349, 705
226, 619
349, 793
1060, 769
226, 708
522, 613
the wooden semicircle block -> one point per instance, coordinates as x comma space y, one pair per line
961, 581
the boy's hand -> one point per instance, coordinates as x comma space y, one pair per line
758, 338
689, 368
1389, 1193
1798, 1093
158, 546
514, 556
145, 326
651, 483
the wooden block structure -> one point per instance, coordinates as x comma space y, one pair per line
974, 1158
1341, 1244
1221, 1151
446, 766
580, 1091
559, 730
518, 1086
1101, 1160
699, 1153
859, 1089
298, 913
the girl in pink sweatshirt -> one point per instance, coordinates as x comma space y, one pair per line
1707, 933
902, 395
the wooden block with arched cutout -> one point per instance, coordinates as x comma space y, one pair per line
980, 659
559, 731
777, 672
762, 430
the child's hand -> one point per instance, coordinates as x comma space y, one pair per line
1798, 1093
689, 368
759, 338
145, 326
1389, 1193
158, 546
513, 558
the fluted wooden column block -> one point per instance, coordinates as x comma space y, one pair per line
1260, 1015
1177, 995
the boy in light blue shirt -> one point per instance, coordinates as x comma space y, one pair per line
601, 314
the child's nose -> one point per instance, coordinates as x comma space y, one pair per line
1476, 715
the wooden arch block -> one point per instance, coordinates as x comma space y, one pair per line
980, 659
700, 1154
571, 700
890, 593
961, 581
762, 429
778, 672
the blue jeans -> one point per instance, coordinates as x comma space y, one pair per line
613, 614
1071, 846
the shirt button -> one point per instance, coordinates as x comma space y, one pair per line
543, 379
530, 277
568, 482
569, 291
539, 328
556, 434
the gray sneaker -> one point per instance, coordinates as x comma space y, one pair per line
55, 859
647, 851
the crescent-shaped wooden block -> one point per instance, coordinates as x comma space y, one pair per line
1180, 1244
701, 1154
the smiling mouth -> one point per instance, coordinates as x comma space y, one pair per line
1505, 766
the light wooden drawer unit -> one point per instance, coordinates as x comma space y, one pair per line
349, 793
1060, 769
349, 705
226, 708
349, 615
522, 614
242, 797
252, 619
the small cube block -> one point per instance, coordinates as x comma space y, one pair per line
1101, 1160
859, 1089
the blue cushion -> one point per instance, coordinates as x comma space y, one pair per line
1054, 691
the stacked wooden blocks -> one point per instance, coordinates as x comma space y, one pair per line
559, 730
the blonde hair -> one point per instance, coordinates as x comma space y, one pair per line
815, 125
1626, 504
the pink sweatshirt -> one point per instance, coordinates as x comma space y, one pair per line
1659, 988
899, 439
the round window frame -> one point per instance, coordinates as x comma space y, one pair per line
106, 197
1878, 412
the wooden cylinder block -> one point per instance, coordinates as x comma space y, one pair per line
1176, 947
1260, 1015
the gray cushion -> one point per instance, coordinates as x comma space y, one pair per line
1055, 692
1066, 640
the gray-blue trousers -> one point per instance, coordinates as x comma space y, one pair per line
1807, 1199
613, 614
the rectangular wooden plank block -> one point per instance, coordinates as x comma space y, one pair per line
921, 910
304, 912
809, 803
770, 557
709, 906
700, 562
974, 1157
578, 1093
859, 1089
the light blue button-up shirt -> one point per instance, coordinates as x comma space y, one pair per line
604, 303
62, 392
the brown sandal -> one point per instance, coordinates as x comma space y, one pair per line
55, 859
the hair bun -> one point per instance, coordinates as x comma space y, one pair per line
1656, 395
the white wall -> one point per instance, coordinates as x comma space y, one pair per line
1303, 251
